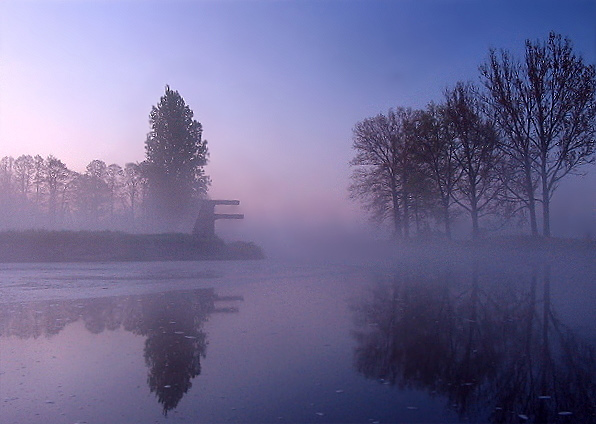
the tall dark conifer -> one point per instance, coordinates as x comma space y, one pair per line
175, 157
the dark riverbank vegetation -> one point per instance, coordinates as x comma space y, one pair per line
497, 150
104, 246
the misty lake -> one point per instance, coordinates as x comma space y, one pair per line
441, 340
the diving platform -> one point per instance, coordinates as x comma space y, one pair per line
205, 222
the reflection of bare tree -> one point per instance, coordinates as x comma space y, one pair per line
495, 354
550, 373
172, 322
388, 349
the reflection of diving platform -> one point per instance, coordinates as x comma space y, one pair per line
205, 223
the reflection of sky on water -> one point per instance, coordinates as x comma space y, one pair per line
309, 344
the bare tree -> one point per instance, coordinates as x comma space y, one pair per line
24, 170
39, 178
382, 169
546, 108
476, 153
93, 191
7, 176
56, 176
434, 151
113, 178
133, 181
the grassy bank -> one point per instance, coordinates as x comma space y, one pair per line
101, 246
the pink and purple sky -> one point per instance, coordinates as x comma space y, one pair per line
277, 85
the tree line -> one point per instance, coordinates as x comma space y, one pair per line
43, 192
497, 148
160, 193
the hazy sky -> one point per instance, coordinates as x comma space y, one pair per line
277, 85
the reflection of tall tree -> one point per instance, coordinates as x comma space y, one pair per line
175, 344
484, 351
172, 322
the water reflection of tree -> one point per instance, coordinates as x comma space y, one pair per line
495, 353
175, 343
172, 323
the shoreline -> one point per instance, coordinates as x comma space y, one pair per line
37, 246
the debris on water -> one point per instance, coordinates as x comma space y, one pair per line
543, 397
178, 332
498, 408
167, 386
523, 417
189, 337
412, 408
50, 401
565, 413
320, 414
172, 322
339, 391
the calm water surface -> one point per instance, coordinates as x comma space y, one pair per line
273, 341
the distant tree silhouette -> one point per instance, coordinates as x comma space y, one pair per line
383, 169
97, 190
114, 180
175, 157
546, 108
476, 152
132, 186
38, 177
56, 176
24, 169
434, 152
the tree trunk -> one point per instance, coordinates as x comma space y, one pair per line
417, 216
397, 230
545, 204
531, 200
474, 215
406, 217
532, 209
475, 228
447, 219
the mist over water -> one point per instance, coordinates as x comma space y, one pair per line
426, 334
